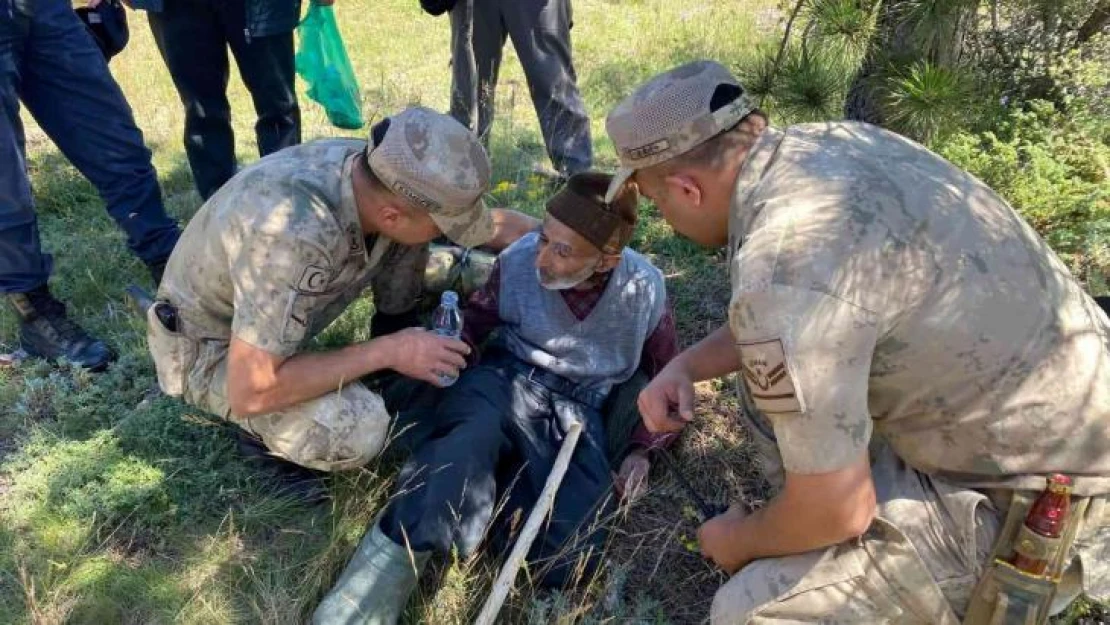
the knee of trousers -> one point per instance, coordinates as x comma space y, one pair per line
733, 604
764, 583
844, 584
339, 431
436, 510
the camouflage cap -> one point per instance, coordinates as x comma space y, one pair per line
671, 114
437, 164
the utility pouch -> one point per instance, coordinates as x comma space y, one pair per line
173, 352
1006, 595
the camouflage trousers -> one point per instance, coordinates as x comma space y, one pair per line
917, 564
341, 430
337, 431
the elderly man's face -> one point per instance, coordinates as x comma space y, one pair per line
565, 259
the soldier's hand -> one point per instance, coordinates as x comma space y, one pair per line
423, 355
667, 404
717, 540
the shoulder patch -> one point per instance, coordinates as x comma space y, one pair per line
767, 374
314, 280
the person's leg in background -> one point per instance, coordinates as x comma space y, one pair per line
23, 265
472, 96
68, 89
540, 31
464, 69
192, 42
267, 69
64, 82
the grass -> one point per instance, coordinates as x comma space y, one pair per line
118, 505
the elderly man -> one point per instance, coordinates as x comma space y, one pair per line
918, 362
281, 251
578, 313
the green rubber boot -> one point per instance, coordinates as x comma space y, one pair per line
375, 586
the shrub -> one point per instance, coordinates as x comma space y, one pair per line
1055, 170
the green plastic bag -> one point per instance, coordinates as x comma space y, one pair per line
323, 63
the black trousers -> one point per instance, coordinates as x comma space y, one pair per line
540, 32
193, 37
50, 64
484, 456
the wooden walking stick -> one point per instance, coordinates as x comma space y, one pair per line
531, 528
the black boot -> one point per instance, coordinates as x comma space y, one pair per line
289, 479
46, 332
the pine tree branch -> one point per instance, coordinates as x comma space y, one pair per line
785, 41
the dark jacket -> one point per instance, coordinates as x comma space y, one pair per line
264, 17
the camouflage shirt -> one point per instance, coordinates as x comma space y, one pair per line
877, 288
278, 253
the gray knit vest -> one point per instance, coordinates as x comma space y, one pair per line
598, 352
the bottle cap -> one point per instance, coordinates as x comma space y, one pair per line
1059, 479
449, 298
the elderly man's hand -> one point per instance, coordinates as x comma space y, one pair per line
667, 403
717, 539
631, 481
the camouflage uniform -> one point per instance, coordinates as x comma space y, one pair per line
885, 301
278, 254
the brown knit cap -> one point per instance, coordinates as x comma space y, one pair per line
581, 206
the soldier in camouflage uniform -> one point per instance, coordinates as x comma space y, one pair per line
915, 359
281, 250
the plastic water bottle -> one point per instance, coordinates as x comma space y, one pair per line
447, 321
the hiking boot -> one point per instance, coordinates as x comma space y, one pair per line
376, 584
289, 479
46, 332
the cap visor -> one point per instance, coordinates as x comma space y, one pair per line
468, 229
619, 178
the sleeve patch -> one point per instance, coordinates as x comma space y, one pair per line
767, 375
313, 280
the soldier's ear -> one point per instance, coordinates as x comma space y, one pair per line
390, 216
683, 188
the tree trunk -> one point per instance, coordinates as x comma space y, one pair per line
899, 41
1095, 23
891, 38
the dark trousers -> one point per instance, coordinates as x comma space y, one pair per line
540, 31
49, 62
493, 440
193, 37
